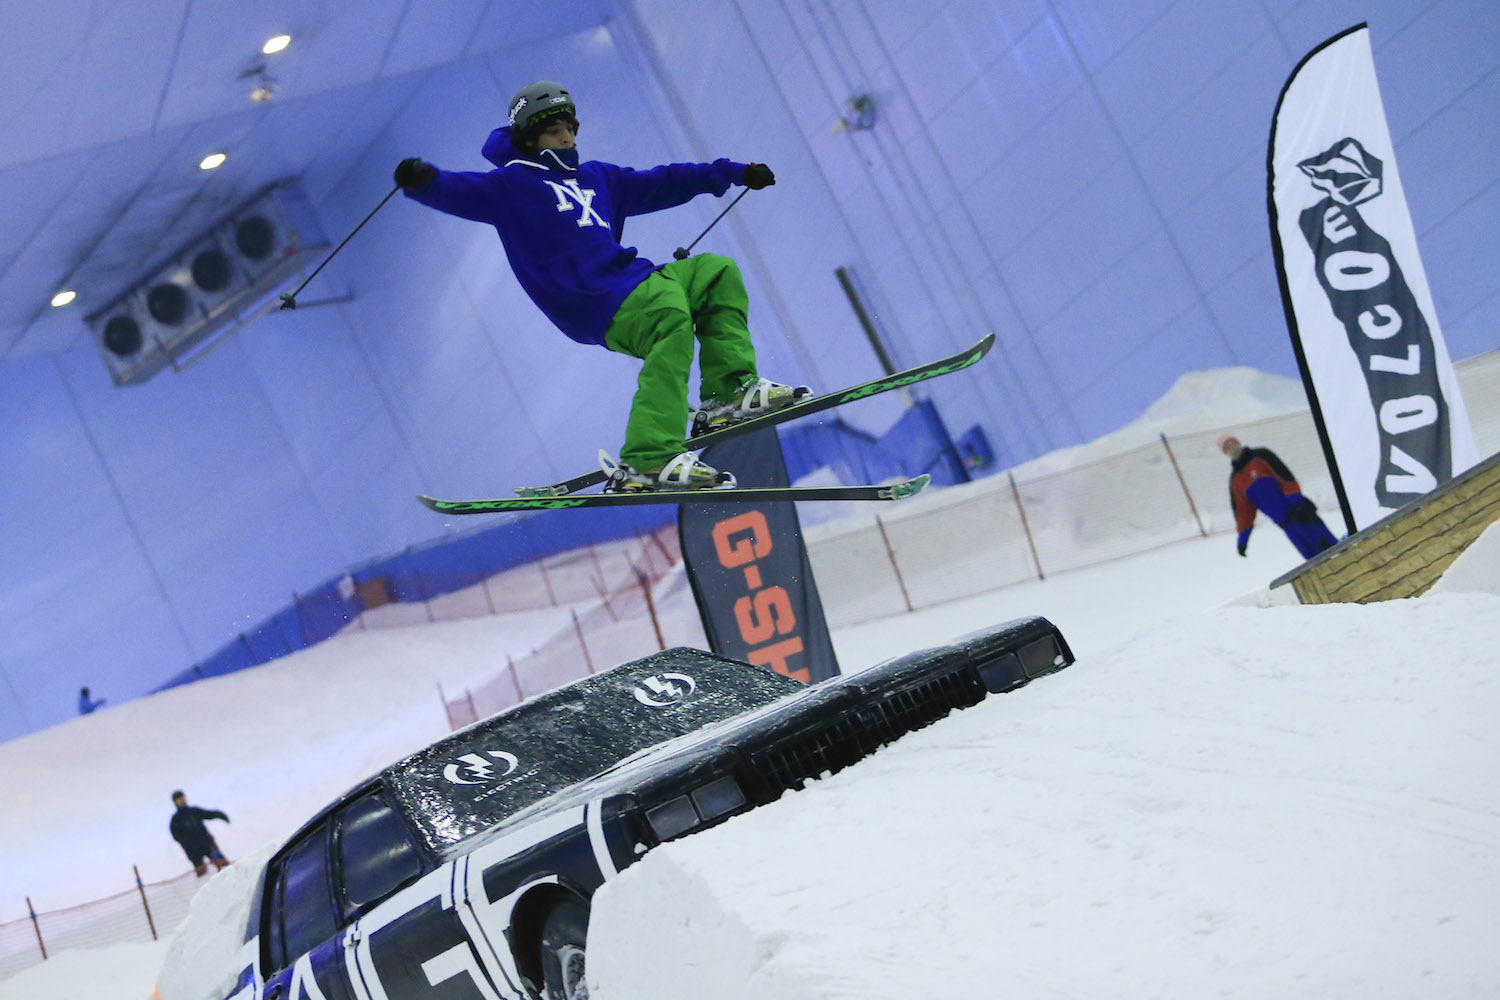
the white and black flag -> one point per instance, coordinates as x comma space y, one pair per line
1377, 372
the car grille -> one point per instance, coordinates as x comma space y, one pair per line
853, 737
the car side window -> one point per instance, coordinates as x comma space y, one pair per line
375, 851
303, 901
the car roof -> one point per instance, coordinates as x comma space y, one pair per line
619, 724
469, 781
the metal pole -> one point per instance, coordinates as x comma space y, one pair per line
1026, 527
289, 299
144, 904
890, 554
1183, 482
846, 282
681, 253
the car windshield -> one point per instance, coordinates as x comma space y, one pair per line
474, 779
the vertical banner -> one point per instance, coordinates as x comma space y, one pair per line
749, 569
1373, 361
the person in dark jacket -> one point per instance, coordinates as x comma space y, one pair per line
561, 222
1260, 481
86, 705
197, 843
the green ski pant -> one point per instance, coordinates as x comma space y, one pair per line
700, 298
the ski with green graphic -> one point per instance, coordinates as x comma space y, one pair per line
897, 491
814, 404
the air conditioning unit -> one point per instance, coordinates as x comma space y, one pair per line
209, 283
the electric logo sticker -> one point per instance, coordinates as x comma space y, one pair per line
475, 769
665, 689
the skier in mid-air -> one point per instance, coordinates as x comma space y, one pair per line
560, 222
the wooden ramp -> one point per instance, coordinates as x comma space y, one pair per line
1403, 554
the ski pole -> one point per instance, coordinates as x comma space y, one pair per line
681, 253
289, 299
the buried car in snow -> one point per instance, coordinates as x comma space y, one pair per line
466, 869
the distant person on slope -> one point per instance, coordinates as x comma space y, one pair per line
86, 705
197, 843
561, 222
1260, 481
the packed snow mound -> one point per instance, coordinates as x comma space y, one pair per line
1282, 801
713, 953
1239, 393
1477, 568
1197, 402
206, 952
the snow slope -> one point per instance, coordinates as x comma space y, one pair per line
1242, 801
1216, 798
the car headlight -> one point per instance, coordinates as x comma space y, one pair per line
718, 797
707, 802
1012, 670
672, 819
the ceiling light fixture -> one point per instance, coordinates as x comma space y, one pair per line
211, 161
63, 298
276, 44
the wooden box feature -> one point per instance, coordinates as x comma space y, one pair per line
1404, 553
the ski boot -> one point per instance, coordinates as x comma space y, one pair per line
685, 472
755, 397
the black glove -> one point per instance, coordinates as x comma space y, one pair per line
414, 175
757, 176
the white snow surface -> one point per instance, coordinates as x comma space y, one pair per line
1221, 797
1293, 802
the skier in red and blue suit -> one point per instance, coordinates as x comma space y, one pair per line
1260, 481
561, 220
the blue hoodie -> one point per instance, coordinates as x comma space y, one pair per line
561, 222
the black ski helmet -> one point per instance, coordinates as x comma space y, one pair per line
536, 105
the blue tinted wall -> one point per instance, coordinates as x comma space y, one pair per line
1086, 178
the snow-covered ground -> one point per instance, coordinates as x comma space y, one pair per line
1217, 798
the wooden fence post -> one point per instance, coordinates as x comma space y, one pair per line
541, 565
1026, 526
144, 904
588, 661
36, 927
645, 581
1183, 483
890, 554
510, 661
484, 583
